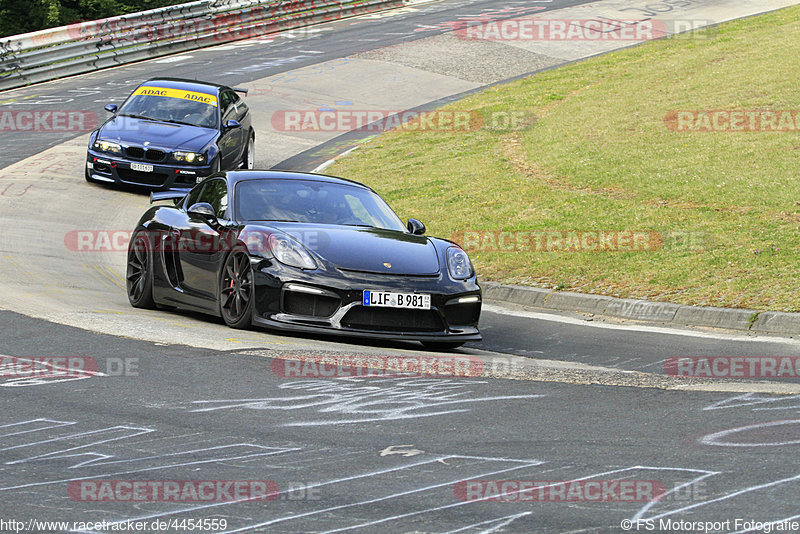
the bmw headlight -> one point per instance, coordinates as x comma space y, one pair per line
189, 157
290, 252
458, 264
108, 146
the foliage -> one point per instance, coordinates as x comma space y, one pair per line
23, 16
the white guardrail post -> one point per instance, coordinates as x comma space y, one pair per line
87, 46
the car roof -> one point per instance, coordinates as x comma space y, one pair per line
233, 177
187, 85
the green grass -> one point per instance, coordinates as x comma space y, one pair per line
600, 157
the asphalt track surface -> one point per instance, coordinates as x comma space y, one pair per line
177, 397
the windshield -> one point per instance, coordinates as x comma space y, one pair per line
309, 201
172, 105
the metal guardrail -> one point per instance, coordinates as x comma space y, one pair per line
88, 46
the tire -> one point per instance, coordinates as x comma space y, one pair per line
442, 345
249, 156
139, 272
236, 290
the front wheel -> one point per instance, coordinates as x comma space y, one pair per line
139, 273
236, 290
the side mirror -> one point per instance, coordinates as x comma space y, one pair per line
174, 195
231, 124
416, 227
111, 108
202, 210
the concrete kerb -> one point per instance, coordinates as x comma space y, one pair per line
776, 322
770, 322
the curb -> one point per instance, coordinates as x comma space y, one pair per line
762, 322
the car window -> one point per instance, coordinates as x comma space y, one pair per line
357, 209
172, 108
311, 201
215, 193
191, 198
227, 107
241, 110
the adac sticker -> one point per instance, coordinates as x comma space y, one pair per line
177, 93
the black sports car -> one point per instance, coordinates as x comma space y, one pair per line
304, 253
172, 133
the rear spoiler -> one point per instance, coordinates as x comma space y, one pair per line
174, 194
240, 90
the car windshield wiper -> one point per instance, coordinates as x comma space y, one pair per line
273, 220
179, 122
134, 116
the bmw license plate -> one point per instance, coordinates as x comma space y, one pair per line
386, 299
141, 167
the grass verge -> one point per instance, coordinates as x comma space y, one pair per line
721, 209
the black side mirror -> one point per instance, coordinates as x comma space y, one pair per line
416, 227
202, 210
231, 124
111, 108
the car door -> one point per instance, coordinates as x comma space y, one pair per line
230, 139
201, 246
243, 116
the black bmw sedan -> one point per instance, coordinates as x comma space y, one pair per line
301, 252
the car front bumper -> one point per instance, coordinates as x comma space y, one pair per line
103, 167
332, 304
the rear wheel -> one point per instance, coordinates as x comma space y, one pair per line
236, 290
442, 345
139, 273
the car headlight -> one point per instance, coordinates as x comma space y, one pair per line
107, 146
290, 252
189, 157
458, 264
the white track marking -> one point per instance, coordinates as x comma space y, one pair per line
716, 438
524, 464
674, 330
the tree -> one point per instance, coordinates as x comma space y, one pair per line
23, 16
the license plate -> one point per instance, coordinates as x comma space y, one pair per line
386, 299
141, 167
